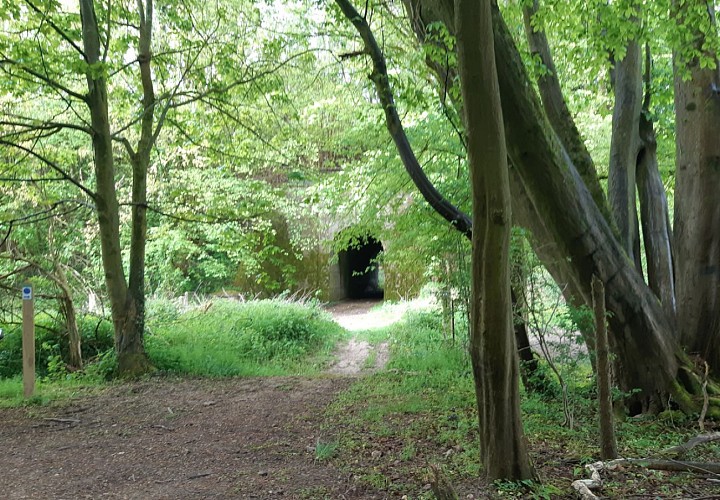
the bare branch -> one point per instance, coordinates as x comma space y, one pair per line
16, 271
52, 165
31, 179
55, 27
52, 83
126, 143
49, 125
209, 220
458, 219
44, 214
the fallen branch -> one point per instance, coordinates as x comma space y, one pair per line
669, 465
584, 487
681, 449
63, 420
202, 474
706, 399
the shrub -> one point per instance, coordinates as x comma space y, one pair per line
225, 337
51, 345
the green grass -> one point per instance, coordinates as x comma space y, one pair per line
324, 450
229, 338
221, 338
422, 410
46, 392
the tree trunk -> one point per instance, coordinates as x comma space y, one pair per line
654, 214
131, 353
127, 311
557, 111
697, 184
642, 333
106, 202
608, 444
624, 147
67, 308
492, 344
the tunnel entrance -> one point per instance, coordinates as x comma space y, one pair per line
360, 274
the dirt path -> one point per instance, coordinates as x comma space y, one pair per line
168, 438
359, 356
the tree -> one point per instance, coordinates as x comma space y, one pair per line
554, 202
697, 213
492, 346
117, 109
127, 296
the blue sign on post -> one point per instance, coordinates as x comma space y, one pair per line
27, 293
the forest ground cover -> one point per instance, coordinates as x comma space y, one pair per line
316, 436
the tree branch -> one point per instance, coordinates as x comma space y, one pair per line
52, 83
52, 165
55, 27
379, 76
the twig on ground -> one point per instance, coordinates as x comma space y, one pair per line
62, 420
681, 449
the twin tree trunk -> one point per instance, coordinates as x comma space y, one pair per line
126, 300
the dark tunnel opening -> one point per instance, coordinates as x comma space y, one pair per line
360, 269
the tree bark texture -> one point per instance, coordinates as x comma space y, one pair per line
492, 342
557, 111
654, 213
126, 300
624, 148
131, 352
106, 202
697, 184
67, 308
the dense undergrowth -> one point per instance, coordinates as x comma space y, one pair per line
229, 338
217, 338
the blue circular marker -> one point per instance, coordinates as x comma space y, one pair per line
27, 293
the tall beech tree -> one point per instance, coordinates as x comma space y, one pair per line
697, 181
573, 236
492, 346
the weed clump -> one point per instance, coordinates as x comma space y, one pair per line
230, 338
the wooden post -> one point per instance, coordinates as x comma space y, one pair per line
608, 444
28, 340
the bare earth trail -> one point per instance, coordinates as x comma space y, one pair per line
169, 438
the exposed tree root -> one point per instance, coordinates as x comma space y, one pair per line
694, 392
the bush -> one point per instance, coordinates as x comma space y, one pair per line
51, 345
224, 337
